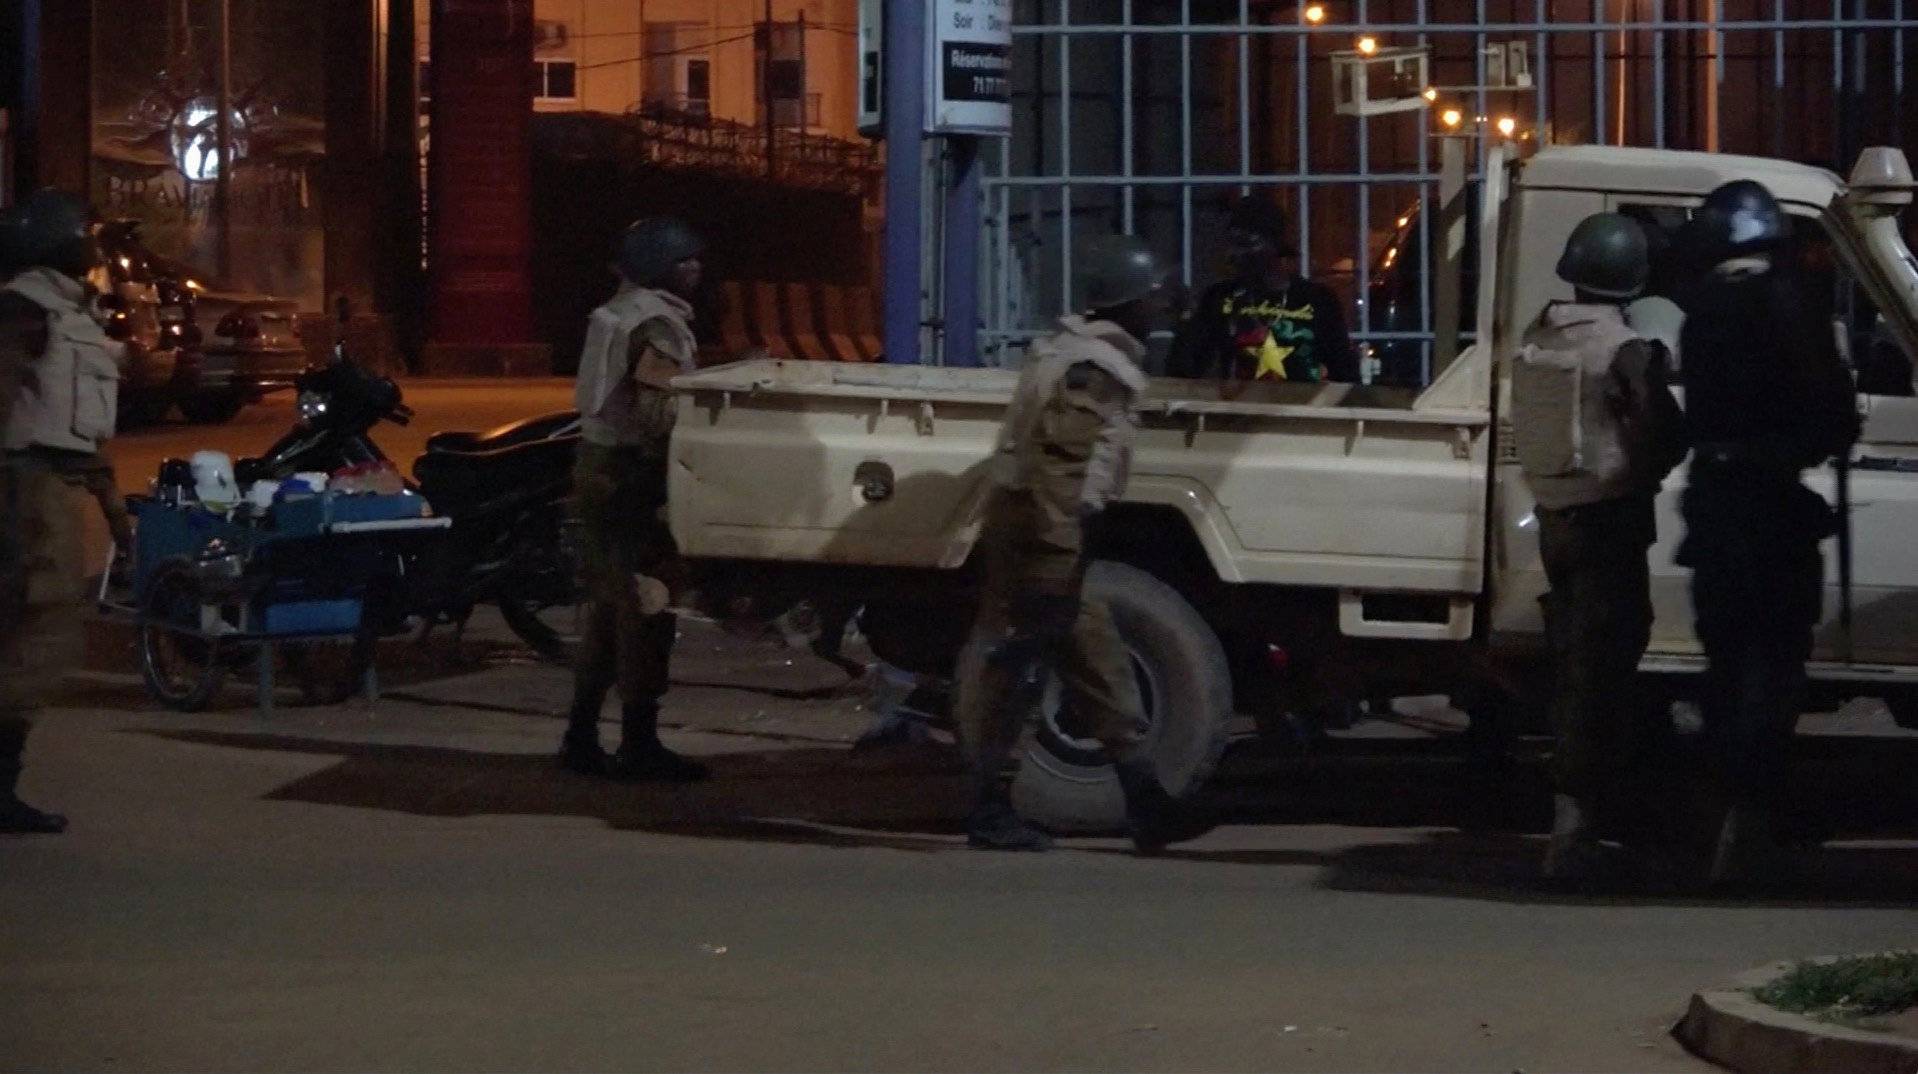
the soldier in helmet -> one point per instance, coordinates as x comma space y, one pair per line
58, 378
1766, 397
1062, 457
635, 344
1597, 431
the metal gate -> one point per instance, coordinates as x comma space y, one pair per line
1150, 116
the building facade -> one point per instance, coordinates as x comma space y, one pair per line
698, 58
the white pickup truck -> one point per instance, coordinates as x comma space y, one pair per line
1380, 533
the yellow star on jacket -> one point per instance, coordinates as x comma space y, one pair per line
1272, 359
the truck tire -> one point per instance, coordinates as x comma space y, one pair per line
1067, 785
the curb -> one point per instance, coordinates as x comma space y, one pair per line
1734, 1030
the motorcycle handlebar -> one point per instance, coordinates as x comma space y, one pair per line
401, 415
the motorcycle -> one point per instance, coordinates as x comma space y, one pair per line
506, 491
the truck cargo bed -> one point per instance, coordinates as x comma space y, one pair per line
1326, 485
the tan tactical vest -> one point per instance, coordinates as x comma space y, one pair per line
621, 405
70, 394
1571, 445
1020, 462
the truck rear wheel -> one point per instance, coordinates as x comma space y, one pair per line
1067, 784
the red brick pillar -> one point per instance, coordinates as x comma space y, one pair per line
479, 213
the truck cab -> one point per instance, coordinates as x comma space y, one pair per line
1848, 244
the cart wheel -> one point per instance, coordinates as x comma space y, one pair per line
329, 672
183, 667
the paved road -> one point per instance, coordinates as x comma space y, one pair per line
415, 887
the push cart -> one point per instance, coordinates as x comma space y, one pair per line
309, 579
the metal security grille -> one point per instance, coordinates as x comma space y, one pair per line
1150, 116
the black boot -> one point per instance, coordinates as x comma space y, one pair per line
580, 751
643, 758
19, 818
1573, 855
994, 825
1154, 818
583, 758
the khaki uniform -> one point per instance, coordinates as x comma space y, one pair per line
1597, 431
636, 344
1063, 455
40, 570
66, 410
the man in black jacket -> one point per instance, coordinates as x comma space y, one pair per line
1266, 322
1766, 398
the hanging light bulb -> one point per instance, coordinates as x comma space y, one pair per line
1315, 14
1507, 126
1368, 45
1452, 117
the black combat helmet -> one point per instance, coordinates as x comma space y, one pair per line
51, 228
1606, 256
1738, 219
649, 248
1112, 270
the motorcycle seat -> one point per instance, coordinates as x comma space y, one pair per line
518, 432
453, 481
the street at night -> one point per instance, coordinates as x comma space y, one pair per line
958, 535
416, 886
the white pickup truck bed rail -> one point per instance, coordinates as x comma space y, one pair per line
1322, 485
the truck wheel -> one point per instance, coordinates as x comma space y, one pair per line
211, 409
1066, 783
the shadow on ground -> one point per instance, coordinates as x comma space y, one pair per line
1486, 845
794, 795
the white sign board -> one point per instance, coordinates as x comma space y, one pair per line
969, 67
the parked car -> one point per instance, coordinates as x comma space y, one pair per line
151, 302
251, 347
210, 351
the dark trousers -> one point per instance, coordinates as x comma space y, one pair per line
1757, 591
40, 592
1598, 620
619, 492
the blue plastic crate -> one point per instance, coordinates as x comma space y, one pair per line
312, 617
313, 514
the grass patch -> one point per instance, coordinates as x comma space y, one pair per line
1847, 989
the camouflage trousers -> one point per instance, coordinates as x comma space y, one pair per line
618, 494
92, 473
1035, 616
40, 594
1598, 621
